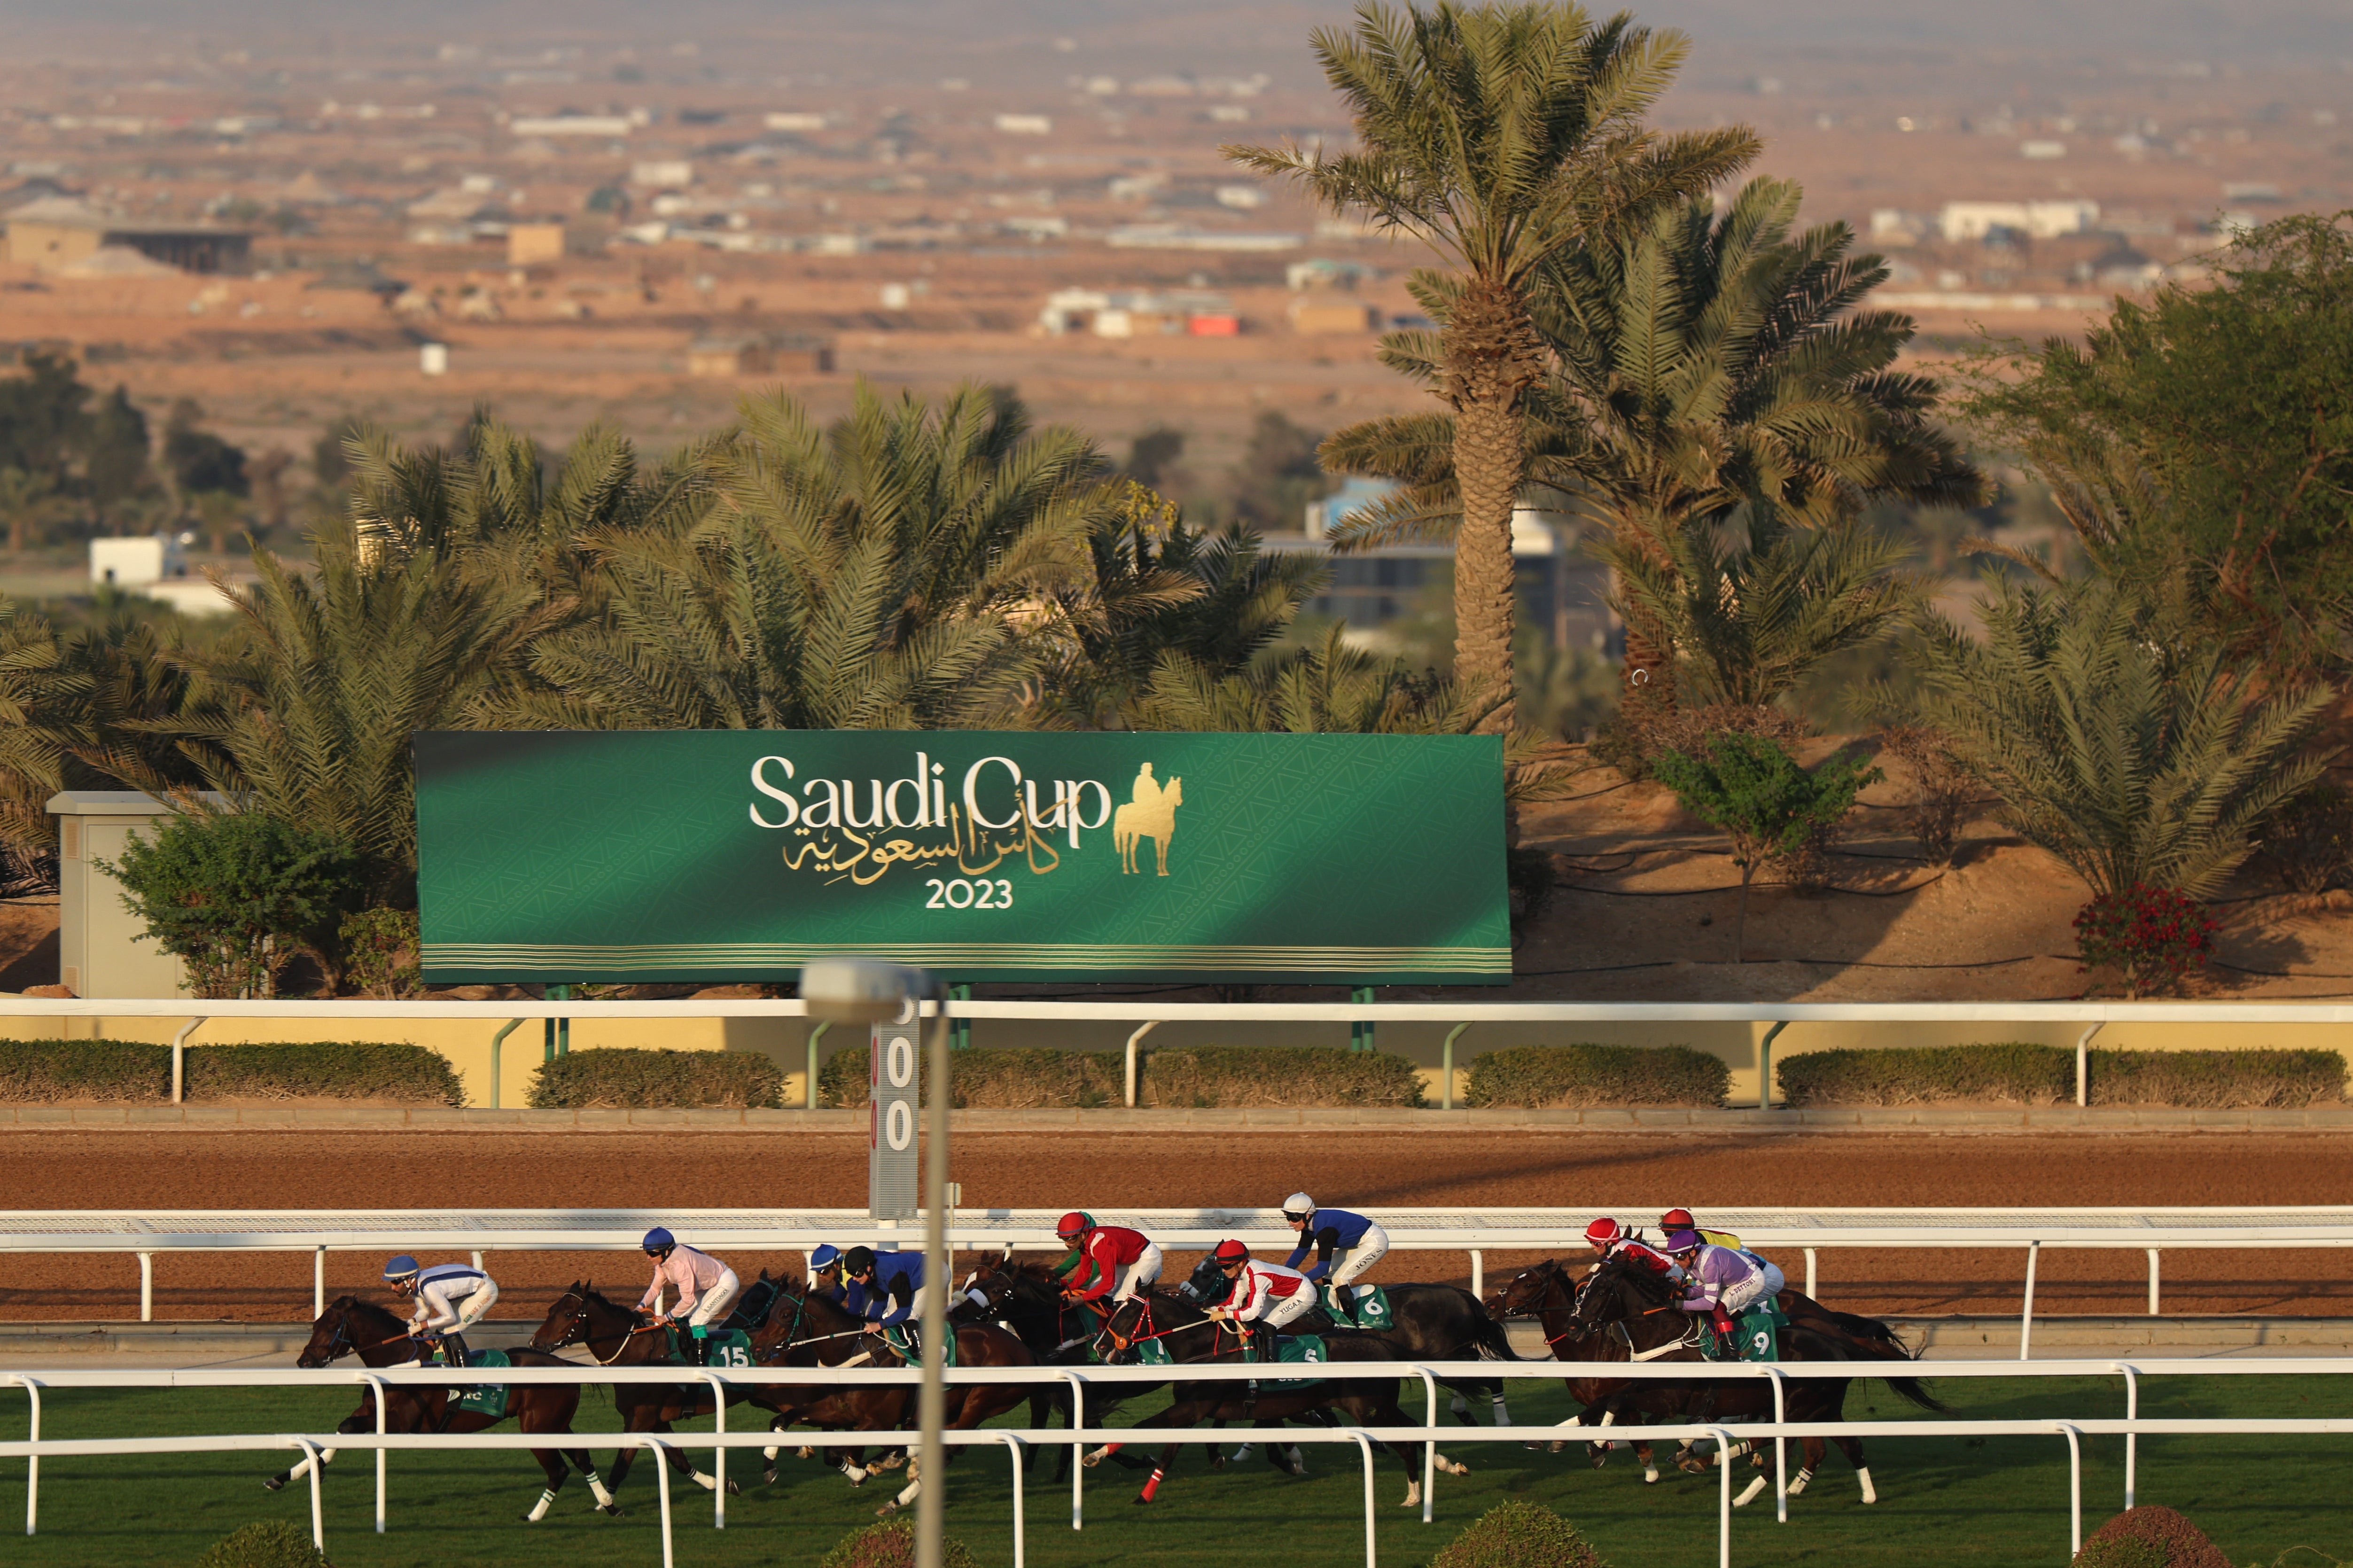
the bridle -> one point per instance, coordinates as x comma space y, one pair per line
343, 1344
580, 1334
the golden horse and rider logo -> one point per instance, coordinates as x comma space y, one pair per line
1150, 813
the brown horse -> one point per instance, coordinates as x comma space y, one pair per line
808, 1328
620, 1336
1192, 1337
351, 1327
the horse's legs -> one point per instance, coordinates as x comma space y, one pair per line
1852, 1449
360, 1420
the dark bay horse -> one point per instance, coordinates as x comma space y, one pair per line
351, 1327
808, 1328
1642, 1305
1192, 1339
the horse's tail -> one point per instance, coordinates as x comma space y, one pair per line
1909, 1387
1863, 1328
1492, 1341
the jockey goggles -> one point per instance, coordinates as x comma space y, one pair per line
1231, 1251
1605, 1231
1073, 1225
1675, 1220
1682, 1241
401, 1268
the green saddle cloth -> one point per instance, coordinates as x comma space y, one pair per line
1361, 1306
1756, 1335
1290, 1350
729, 1347
488, 1399
896, 1336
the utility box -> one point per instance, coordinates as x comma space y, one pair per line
104, 949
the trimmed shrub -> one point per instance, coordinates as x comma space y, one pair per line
1518, 1535
1188, 1076
380, 951
2150, 1537
271, 1543
1547, 1077
2153, 936
39, 1071
626, 1079
2022, 1074
892, 1544
237, 896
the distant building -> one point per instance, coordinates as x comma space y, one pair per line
665, 173
789, 121
1180, 236
2035, 220
1025, 124
1141, 313
759, 355
530, 244
1315, 316
153, 568
606, 125
52, 233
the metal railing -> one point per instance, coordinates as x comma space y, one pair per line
2132, 1426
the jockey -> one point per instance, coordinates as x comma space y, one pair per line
706, 1289
1266, 1293
1106, 1261
1609, 1239
886, 1288
825, 1272
1346, 1247
451, 1298
1724, 1282
1675, 1220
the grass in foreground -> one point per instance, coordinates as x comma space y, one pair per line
1994, 1503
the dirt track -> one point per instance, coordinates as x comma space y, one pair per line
1582, 1170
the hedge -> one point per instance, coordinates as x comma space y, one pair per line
892, 1544
624, 1079
2045, 1074
39, 1071
1191, 1075
1561, 1077
2150, 1537
1518, 1534
271, 1543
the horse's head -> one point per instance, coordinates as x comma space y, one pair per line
1619, 1291
1532, 1290
1130, 1320
567, 1319
988, 1292
1207, 1285
335, 1335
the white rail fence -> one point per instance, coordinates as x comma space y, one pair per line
2132, 1426
1475, 1231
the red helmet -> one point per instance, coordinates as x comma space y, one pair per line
1677, 1220
1073, 1225
1604, 1232
1231, 1250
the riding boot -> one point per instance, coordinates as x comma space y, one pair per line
698, 1346
1343, 1315
453, 1350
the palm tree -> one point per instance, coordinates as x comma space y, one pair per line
42, 716
1709, 371
1504, 136
2131, 749
873, 577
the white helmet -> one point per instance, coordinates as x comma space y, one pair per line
1298, 1206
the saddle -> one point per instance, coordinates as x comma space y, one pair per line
486, 1399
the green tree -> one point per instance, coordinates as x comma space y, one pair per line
1753, 791
41, 720
1715, 389
2128, 747
2199, 443
116, 460
1504, 136
44, 418
31, 504
237, 896
1278, 474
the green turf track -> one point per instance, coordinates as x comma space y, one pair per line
1948, 1501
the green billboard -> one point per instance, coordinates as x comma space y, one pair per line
732, 856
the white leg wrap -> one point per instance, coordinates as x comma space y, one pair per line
539, 1509
1748, 1493
596, 1489
1798, 1482
1460, 1406
326, 1456
1413, 1493
1503, 1412
907, 1493
1650, 1475
1243, 1452
770, 1454
1869, 1493
1451, 1466
706, 1482
1298, 1460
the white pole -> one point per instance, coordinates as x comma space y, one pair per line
1372, 1536
661, 1475
1133, 1041
179, 1058
2074, 1493
2026, 1321
319, 1282
32, 1387
1810, 1272
2152, 1282
1020, 1546
1724, 1497
2132, 1439
719, 1451
1078, 1449
1430, 1449
2084, 1063
1780, 1446
931, 1503
318, 1508
146, 1287
381, 1454
1478, 1274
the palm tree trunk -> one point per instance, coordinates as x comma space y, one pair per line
1740, 918
1492, 358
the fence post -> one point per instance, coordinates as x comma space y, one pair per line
1780, 1445
146, 1287
1764, 1066
180, 1058
2132, 1439
319, 1282
2084, 1063
1724, 1496
1014, 1451
719, 1451
2075, 1493
1430, 1449
661, 1482
376, 1383
1372, 1535
496, 1041
1133, 1041
2152, 1282
2026, 1322
1478, 1274
1810, 1272
1446, 1070
814, 1036
1078, 1449
32, 1387
1360, 1029
318, 1508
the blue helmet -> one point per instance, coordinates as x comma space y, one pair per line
658, 1241
827, 1255
400, 1268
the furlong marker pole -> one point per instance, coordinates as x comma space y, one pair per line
931, 1503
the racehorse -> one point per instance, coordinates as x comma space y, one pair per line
351, 1327
1430, 1322
1642, 1304
1192, 1337
831, 1343
1137, 821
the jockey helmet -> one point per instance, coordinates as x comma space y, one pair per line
659, 1242
857, 1260
403, 1267
1684, 1241
1073, 1225
1675, 1220
1230, 1251
827, 1255
1299, 1206
1604, 1232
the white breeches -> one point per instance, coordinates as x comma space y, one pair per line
1351, 1263
1134, 1276
916, 1305
1287, 1310
712, 1306
1740, 1297
467, 1310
